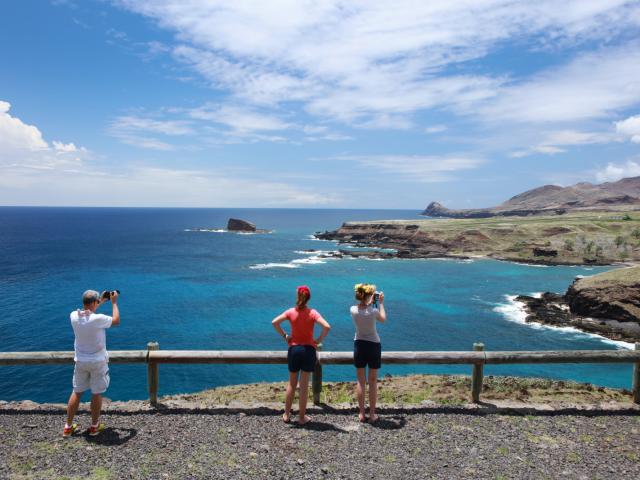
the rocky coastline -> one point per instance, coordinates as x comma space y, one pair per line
578, 239
607, 304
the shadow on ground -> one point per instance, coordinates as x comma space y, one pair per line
481, 409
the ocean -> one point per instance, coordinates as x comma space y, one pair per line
188, 284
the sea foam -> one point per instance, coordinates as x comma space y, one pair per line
314, 258
515, 311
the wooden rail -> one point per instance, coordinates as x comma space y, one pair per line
153, 356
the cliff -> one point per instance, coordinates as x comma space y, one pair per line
607, 304
598, 238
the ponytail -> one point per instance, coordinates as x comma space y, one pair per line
303, 298
304, 294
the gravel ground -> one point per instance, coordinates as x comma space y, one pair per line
436, 442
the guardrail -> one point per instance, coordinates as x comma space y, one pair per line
153, 356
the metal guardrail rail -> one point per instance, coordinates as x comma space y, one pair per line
153, 356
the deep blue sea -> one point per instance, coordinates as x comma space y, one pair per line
190, 289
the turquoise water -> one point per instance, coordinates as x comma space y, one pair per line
189, 289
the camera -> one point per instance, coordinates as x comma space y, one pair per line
106, 295
376, 298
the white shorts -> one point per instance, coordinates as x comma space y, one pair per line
91, 375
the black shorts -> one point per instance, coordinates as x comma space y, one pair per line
301, 357
366, 353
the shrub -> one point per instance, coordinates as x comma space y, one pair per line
588, 248
568, 245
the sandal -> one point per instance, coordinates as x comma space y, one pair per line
68, 431
96, 429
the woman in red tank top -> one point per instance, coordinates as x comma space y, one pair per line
302, 349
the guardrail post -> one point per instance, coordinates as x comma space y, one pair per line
478, 374
152, 374
316, 380
636, 379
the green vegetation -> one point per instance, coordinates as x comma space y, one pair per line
416, 389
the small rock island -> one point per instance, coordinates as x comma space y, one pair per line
237, 225
243, 226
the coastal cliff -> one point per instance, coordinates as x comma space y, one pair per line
607, 304
596, 238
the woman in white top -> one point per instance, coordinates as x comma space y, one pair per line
367, 349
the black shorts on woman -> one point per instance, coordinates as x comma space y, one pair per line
366, 353
301, 357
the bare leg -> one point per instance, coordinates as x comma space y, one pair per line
72, 406
373, 394
360, 389
291, 391
96, 406
304, 396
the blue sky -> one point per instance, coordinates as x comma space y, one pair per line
333, 104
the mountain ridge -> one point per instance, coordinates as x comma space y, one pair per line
554, 199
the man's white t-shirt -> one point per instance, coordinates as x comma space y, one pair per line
91, 340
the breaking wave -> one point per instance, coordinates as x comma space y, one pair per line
515, 311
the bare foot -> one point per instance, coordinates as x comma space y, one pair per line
362, 417
373, 418
304, 420
286, 417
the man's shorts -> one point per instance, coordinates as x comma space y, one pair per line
367, 353
301, 357
91, 375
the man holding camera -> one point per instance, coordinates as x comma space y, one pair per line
91, 357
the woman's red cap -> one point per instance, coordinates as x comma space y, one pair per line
304, 289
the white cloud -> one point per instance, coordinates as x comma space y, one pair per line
435, 129
425, 169
630, 128
355, 60
613, 172
166, 127
17, 135
241, 120
151, 186
23, 146
66, 148
32, 172
592, 86
137, 131
554, 142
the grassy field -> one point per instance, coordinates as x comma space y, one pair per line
620, 276
415, 389
585, 237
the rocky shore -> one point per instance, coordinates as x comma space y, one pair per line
607, 304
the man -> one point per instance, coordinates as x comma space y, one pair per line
91, 357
